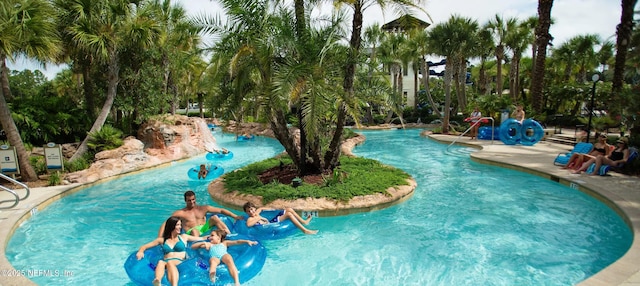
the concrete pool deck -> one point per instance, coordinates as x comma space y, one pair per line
619, 192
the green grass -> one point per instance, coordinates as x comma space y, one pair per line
354, 177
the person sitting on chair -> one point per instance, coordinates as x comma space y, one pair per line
601, 148
617, 158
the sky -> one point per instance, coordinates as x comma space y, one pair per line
572, 17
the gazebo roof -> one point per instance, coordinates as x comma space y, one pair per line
404, 23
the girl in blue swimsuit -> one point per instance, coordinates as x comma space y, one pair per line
217, 246
174, 246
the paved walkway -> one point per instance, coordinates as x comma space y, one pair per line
620, 192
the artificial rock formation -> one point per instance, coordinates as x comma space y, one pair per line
173, 137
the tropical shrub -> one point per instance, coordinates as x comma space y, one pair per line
106, 138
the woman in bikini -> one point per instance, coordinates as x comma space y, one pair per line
174, 246
617, 157
601, 148
217, 247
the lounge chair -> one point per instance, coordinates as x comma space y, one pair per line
581, 148
633, 153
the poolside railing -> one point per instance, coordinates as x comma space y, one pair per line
17, 197
474, 124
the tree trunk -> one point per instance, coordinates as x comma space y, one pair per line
112, 87
425, 80
542, 41
447, 96
332, 157
281, 132
623, 31
27, 172
499, 57
89, 97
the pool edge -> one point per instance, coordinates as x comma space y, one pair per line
616, 191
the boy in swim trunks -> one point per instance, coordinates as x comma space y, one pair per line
217, 246
288, 213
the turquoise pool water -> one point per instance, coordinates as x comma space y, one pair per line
467, 223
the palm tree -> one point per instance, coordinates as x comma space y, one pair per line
103, 28
585, 54
391, 54
542, 41
452, 40
623, 32
420, 41
27, 29
499, 28
517, 41
355, 41
485, 48
373, 37
178, 42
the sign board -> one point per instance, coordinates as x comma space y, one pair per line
8, 160
53, 156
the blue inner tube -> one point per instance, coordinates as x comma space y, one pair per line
219, 156
267, 231
532, 132
215, 172
484, 133
245, 138
195, 270
510, 132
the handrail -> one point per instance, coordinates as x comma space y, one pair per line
12, 180
474, 124
15, 202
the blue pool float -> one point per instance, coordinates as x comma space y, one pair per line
510, 132
269, 231
245, 138
211, 156
532, 132
484, 132
195, 270
215, 172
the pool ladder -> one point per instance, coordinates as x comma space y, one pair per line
13, 192
477, 122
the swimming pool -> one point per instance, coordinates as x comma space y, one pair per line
467, 223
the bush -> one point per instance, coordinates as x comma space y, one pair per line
78, 164
354, 177
106, 138
39, 164
55, 179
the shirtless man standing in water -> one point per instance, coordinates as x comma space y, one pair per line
194, 217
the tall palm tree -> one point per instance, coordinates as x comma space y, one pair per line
28, 29
452, 40
499, 27
420, 41
585, 54
485, 48
517, 41
391, 54
178, 40
355, 41
542, 41
623, 31
103, 29
373, 37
